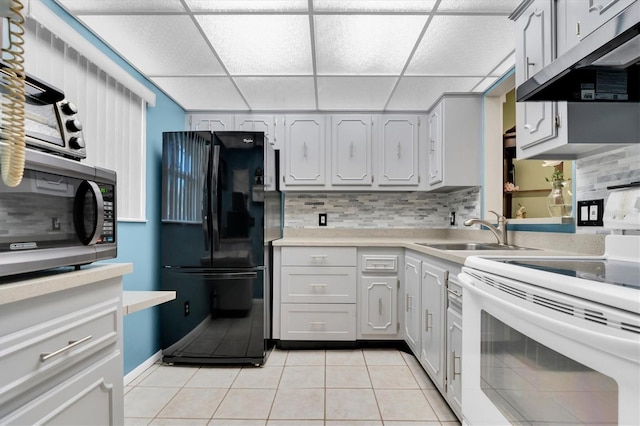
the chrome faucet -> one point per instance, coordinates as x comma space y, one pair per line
500, 231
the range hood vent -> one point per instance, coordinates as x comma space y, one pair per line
605, 66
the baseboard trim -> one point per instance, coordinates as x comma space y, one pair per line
140, 368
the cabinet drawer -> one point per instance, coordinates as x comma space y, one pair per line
318, 322
372, 263
318, 285
319, 256
31, 356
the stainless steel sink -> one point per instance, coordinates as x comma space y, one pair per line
473, 246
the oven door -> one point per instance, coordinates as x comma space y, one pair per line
532, 356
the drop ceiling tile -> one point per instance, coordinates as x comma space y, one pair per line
122, 6
373, 5
505, 66
248, 5
492, 6
463, 45
261, 44
419, 93
365, 44
157, 44
354, 93
278, 93
202, 93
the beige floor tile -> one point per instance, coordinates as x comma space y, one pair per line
194, 403
439, 405
179, 422
136, 421
295, 422
401, 404
345, 357
229, 422
410, 359
277, 357
147, 401
383, 357
353, 423
246, 404
300, 404
213, 377
392, 377
348, 376
169, 376
302, 376
351, 404
305, 357
421, 377
136, 381
258, 378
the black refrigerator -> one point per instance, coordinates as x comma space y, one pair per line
220, 213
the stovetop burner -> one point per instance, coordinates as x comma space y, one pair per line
625, 274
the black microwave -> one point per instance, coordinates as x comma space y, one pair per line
63, 213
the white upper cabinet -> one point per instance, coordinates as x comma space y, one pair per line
351, 150
398, 148
271, 125
535, 121
210, 122
304, 153
454, 143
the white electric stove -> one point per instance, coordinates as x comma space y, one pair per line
556, 340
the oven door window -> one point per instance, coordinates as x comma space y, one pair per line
531, 383
39, 213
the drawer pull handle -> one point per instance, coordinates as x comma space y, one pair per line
453, 365
72, 344
317, 285
318, 256
314, 323
455, 293
379, 306
427, 326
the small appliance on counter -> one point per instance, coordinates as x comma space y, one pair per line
218, 221
556, 340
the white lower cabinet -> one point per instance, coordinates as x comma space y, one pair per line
61, 357
316, 291
432, 310
454, 360
379, 285
412, 268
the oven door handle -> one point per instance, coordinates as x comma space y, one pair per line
624, 348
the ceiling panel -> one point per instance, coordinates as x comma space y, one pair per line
261, 44
463, 45
365, 44
122, 6
202, 93
506, 65
248, 5
278, 93
493, 6
419, 93
373, 5
354, 93
164, 44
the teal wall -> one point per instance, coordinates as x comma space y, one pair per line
138, 243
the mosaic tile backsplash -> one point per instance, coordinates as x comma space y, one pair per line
594, 174
381, 209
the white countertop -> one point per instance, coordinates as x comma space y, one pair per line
134, 301
16, 288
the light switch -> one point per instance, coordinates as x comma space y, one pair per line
593, 212
584, 214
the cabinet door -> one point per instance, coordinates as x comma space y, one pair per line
378, 305
535, 121
304, 153
412, 303
433, 285
257, 123
351, 153
436, 145
454, 360
399, 151
211, 123
584, 16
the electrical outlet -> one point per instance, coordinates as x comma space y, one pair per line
322, 219
55, 224
187, 308
590, 212
452, 218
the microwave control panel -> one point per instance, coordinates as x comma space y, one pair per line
109, 226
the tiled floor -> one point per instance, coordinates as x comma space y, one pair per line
369, 387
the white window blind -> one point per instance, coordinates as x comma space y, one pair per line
113, 117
